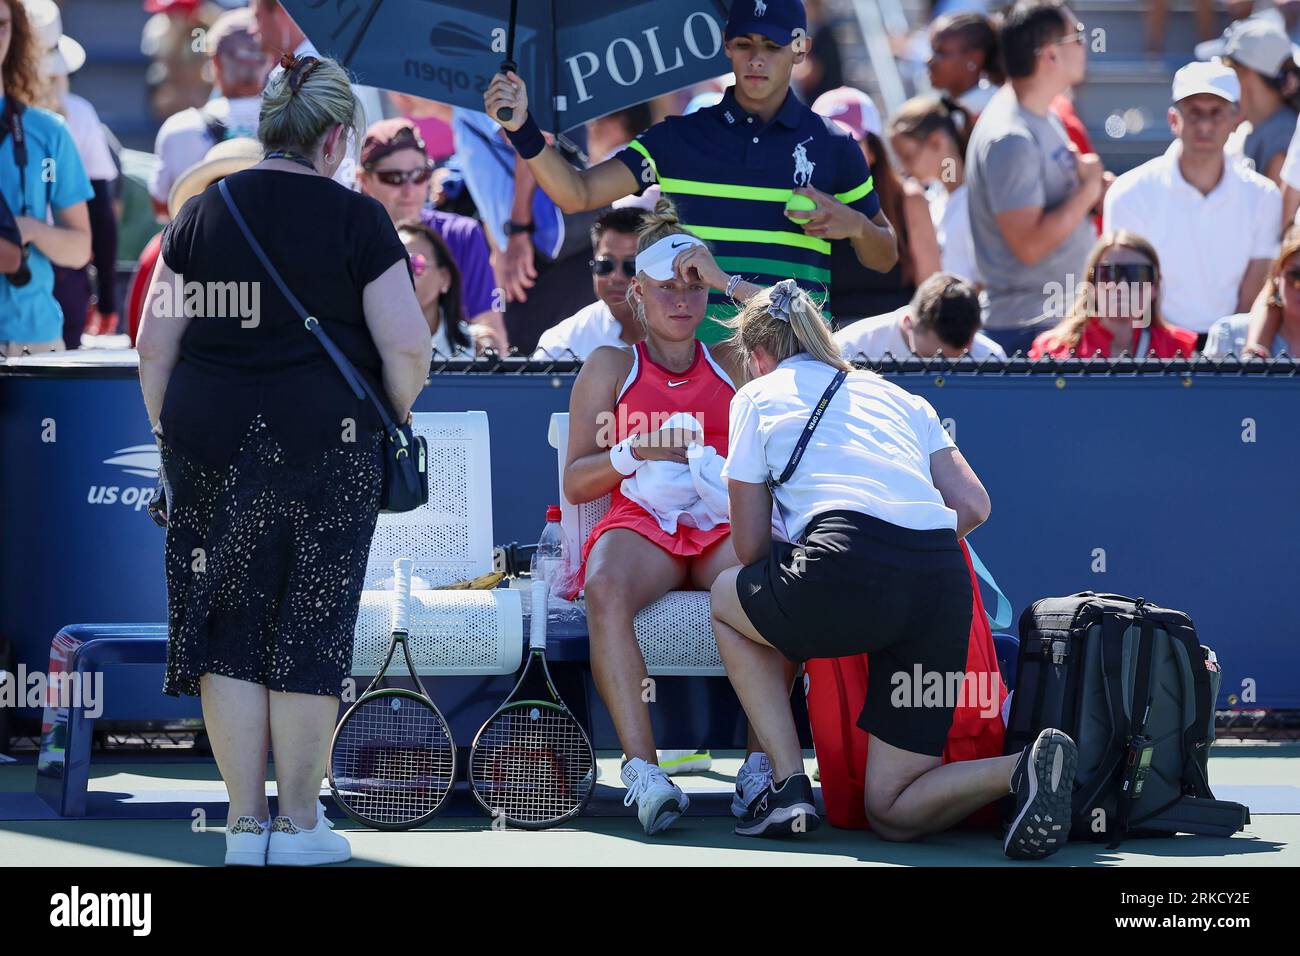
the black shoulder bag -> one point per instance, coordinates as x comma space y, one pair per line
406, 476
802, 444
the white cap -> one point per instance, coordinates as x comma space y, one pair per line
657, 261
60, 55
1213, 78
1259, 45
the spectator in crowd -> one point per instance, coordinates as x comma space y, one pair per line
396, 170
855, 289
433, 120
730, 158
942, 319
223, 159
1272, 327
609, 134
610, 319
92, 310
965, 62
929, 136
278, 34
1031, 192
176, 76
265, 634
540, 251
1214, 223
1117, 308
822, 69
1158, 15
50, 212
1260, 54
239, 67
437, 288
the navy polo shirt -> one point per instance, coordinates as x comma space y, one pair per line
730, 176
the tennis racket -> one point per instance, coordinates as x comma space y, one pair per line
531, 764
392, 760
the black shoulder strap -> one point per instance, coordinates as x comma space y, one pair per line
808, 429
360, 387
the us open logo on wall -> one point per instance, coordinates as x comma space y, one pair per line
135, 461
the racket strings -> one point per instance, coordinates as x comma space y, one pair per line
533, 765
393, 760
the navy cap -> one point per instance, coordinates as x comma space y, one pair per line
775, 19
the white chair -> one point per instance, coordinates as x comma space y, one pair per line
448, 539
675, 632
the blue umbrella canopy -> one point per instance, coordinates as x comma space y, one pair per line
580, 58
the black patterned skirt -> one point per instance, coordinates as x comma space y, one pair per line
265, 563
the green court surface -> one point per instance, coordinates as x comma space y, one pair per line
1270, 772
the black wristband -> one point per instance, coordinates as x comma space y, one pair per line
528, 140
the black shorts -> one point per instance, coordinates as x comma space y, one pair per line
862, 585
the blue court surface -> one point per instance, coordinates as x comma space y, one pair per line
155, 812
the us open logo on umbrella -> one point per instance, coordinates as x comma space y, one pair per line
136, 460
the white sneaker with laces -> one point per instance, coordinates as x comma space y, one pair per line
291, 845
659, 801
753, 778
246, 842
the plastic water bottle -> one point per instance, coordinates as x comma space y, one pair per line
548, 562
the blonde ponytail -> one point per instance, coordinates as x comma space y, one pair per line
297, 120
783, 320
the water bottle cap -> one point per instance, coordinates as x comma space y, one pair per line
553, 513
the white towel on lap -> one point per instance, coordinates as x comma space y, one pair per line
694, 494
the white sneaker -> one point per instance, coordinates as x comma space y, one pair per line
246, 842
674, 762
753, 778
659, 801
291, 845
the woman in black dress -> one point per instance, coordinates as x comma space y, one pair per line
273, 467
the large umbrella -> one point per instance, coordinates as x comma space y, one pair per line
580, 58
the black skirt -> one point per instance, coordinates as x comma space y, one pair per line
265, 561
861, 585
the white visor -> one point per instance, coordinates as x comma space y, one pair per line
657, 261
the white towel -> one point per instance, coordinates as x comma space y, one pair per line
694, 494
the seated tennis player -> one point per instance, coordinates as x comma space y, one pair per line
876, 497
619, 402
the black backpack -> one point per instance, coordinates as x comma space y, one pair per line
1135, 688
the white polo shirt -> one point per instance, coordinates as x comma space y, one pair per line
870, 452
581, 333
1205, 243
877, 335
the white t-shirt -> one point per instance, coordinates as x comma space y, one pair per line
880, 334
582, 333
950, 213
870, 452
88, 133
184, 139
1205, 243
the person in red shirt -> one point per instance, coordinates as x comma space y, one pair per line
1117, 308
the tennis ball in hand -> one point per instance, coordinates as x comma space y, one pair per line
800, 203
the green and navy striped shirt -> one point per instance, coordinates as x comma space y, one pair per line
730, 176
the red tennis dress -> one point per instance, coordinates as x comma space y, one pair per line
651, 394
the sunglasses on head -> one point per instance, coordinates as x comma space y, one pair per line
604, 265
397, 177
1125, 272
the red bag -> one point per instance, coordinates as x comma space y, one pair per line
836, 689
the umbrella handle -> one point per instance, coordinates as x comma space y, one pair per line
506, 113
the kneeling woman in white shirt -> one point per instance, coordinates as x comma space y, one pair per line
877, 503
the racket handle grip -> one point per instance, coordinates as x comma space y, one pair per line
506, 113
402, 595
537, 616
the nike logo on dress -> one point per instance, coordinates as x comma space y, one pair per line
678, 245
672, 384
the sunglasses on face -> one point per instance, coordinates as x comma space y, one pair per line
1125, 272
605, 265
1075, 37
398, 177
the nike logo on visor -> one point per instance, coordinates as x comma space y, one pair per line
672, 384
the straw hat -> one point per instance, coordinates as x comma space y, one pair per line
220, 161
60, 55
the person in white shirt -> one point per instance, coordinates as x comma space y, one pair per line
609, 320
943, 318
1214, 223
929, 135
877, 499
240, 69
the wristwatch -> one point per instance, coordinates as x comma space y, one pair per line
513, 228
